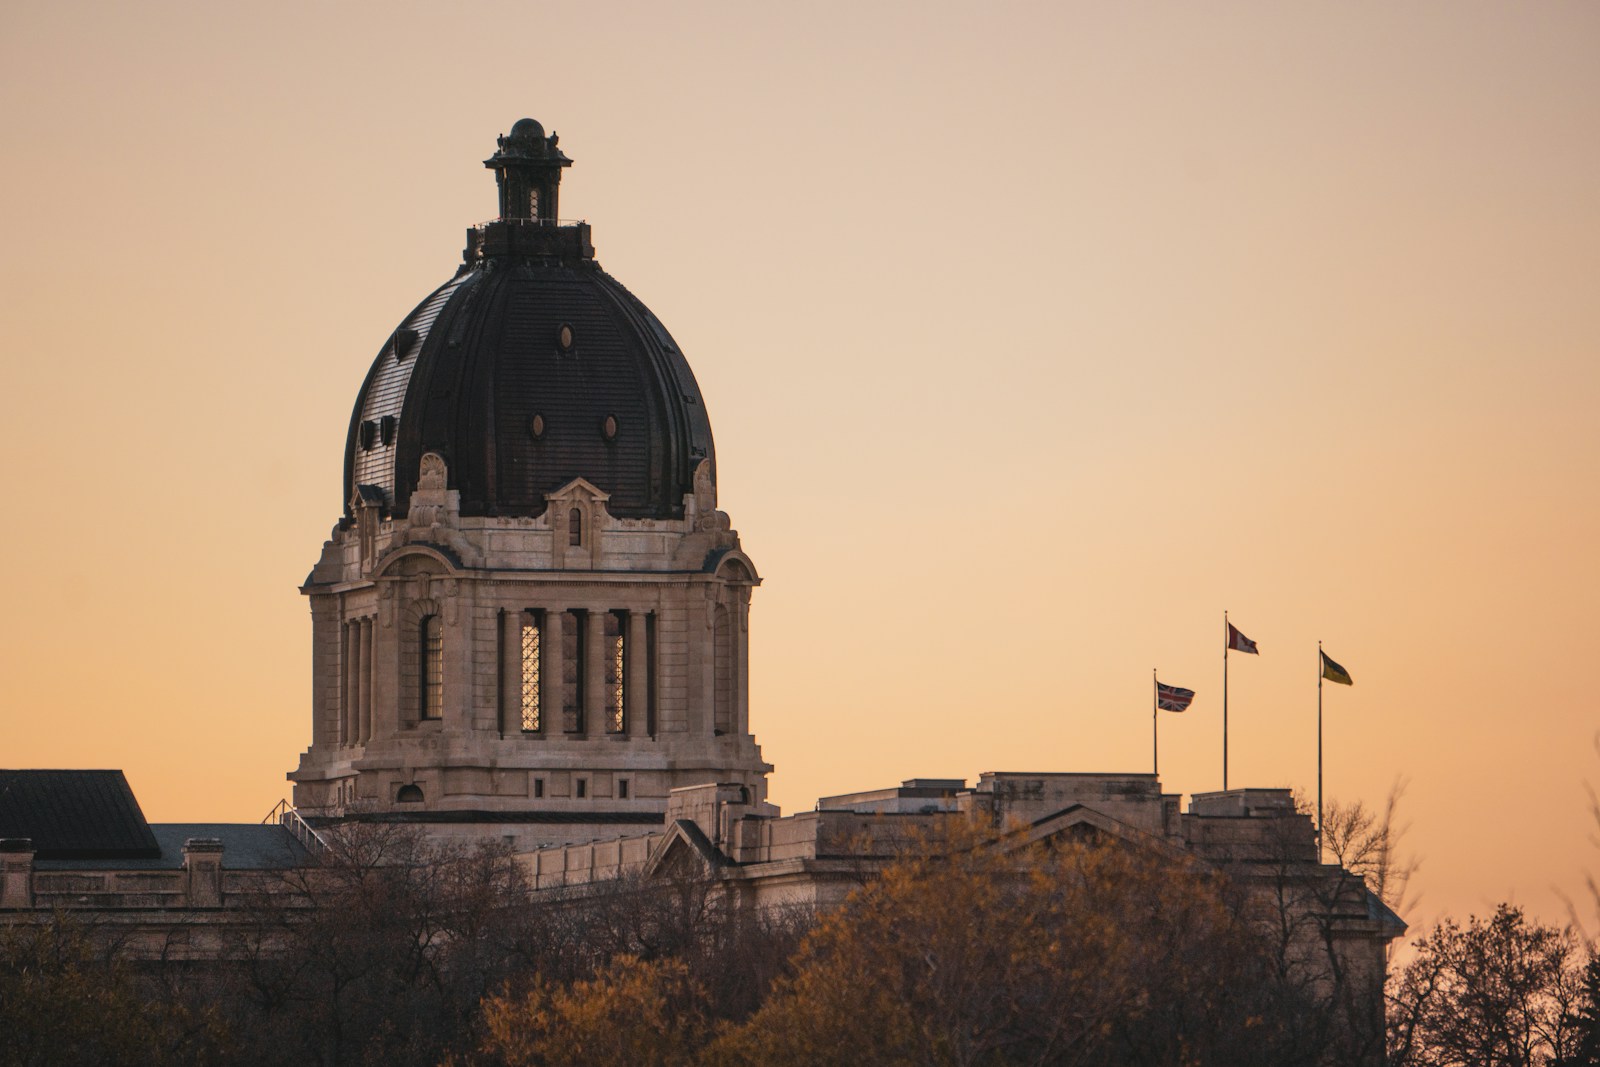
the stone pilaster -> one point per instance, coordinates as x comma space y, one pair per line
552, 671
351, 704
740, 610
386, 665
202, 866
636, 699
364, 667
594, 674
16, 873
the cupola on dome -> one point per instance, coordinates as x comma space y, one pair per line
529, 368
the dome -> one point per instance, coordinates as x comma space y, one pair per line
529, 368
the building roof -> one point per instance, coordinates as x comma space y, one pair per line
75, 815
245, 847
529, 368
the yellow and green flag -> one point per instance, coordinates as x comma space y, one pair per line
1333, 672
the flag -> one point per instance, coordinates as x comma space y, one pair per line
1239, 642
1171, 698
1332, 671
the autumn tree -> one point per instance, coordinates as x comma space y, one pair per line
967, 951
645, 1013
68, 999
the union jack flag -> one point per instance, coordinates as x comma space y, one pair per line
1171, 698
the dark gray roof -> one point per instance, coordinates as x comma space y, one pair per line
530, 368
75, 815
245, 847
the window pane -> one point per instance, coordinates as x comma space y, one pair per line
530, 675
616, 658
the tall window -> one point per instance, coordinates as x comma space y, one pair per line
531, 641
575, 526
616, 656
432, 673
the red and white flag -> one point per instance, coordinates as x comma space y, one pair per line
1238, 642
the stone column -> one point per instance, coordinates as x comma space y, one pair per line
357, 681
636, 698
386, 664
551, 671
327, 681
702, 642
457, 604
741, 662
347, 713
365, 730
594, 674
508, 640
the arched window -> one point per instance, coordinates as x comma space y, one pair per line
575, 526
432, 674
409, 794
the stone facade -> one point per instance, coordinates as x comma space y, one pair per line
583, 665
1334, 931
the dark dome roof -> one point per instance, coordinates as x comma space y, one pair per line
531, 367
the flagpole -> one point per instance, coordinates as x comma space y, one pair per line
1319, 751
1155, 738
1225, 643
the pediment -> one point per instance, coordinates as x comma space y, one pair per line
416, 558
684, 852
1078, 824
578, 489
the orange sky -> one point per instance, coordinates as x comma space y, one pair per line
1033, 335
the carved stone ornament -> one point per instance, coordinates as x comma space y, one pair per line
705, 490
433, 474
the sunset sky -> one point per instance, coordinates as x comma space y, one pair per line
1034, 336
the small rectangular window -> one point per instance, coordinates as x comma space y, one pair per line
622, 789
538, 788
583, 788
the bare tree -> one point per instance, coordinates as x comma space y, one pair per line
1370, 844
1500, 992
